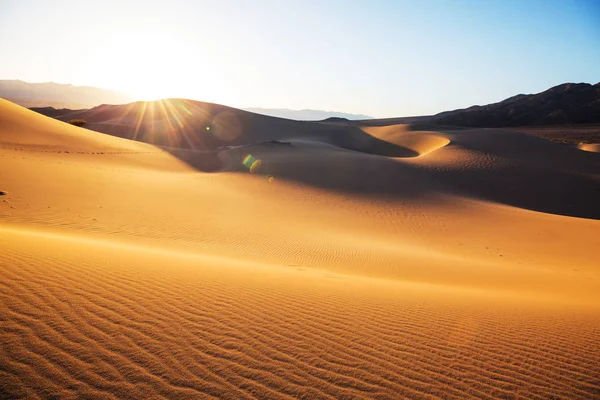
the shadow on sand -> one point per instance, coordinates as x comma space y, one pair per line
523, 171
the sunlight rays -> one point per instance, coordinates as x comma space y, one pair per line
182, 128
171, 133
176, 123
140, 118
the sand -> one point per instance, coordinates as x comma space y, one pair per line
593, 147
586, 134
373, 262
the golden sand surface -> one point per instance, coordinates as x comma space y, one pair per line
377, 262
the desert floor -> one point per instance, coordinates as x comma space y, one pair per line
431, 265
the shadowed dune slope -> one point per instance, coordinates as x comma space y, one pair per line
180, 123
519, 170
327, 273
501, 166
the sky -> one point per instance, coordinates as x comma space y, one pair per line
381, 58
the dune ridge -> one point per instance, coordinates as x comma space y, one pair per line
391, 263
594, 148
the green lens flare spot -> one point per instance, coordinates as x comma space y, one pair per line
255, 166
248, 160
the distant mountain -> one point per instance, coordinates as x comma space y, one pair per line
66, 96
569, 103
58, 95
305, 115
566, 104
53, 112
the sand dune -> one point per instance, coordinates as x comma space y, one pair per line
353, 262
22, 128
421, 142
594, 148
180, 123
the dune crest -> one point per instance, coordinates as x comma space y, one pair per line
594, 148
421, 142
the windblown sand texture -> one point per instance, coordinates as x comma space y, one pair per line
355, 262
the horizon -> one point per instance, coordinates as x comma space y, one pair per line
256, 109
385, 60
168, 98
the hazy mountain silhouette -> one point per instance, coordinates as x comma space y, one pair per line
65, 96
58, 95
305, 115
566, 104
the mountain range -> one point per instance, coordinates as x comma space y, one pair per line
66, 96
565, 104
50, 94
306, 114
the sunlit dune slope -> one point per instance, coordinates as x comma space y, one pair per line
421, 142
594, 148
328, 272
24, 130
21, 127
82, 319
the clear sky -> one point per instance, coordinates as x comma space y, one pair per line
382, 58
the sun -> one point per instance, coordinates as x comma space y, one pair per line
156, 80
159, 89
150, 66
153, 65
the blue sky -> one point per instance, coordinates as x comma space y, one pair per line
382, 58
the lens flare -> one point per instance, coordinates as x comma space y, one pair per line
226, 127
255, 166
251, 163
248, 160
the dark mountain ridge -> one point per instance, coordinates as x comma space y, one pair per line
566, 104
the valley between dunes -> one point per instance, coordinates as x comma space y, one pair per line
353, 262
